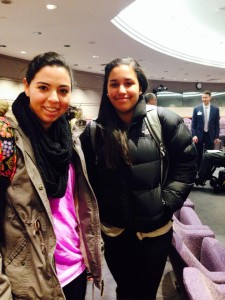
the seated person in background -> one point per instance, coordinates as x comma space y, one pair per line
209, 162
150, 98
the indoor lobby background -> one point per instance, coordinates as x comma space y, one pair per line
88, 88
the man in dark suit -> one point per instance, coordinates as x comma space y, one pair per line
205, 125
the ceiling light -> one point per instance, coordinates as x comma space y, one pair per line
23, 52
221, 8
162, 40
37, 33
51, 6
67, 46
3, 46
95, 56
6, 1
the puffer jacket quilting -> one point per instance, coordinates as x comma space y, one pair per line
133, 196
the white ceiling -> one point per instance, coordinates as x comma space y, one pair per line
85, 25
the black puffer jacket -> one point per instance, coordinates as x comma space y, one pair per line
132, 196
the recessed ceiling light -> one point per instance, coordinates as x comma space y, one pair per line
51, 6
3, 46
67, 46
23, 52
95, 56
37, 33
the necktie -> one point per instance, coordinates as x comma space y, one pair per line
206, 119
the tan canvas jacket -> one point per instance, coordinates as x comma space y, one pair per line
27, 269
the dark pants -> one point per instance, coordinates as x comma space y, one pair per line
76, 289
209, 161
205, 144
137, 266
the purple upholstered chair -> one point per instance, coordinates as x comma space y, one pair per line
187, 218
187, 122
213, 255
222, 130
186, 250
200, 287
181, 256
189, 203
191, 237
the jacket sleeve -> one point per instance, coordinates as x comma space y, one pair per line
182, 158
5, 287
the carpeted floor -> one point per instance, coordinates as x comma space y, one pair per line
210, 208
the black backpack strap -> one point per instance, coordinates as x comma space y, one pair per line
154, 126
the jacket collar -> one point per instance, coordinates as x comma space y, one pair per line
140, 111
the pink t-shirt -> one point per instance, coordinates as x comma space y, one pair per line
68, 257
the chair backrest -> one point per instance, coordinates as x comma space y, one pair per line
222, 127
188, 216
189, 203
186, 258
187, 122
213, 255
200, 287
222, 122
192, 238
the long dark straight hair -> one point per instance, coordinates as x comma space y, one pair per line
114, 130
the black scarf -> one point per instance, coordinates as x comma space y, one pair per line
52, 148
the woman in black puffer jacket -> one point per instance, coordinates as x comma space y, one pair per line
124, 168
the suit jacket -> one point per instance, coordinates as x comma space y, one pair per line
197, 125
